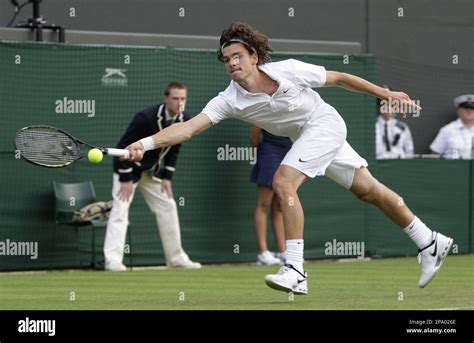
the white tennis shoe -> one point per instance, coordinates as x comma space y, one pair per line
288, 279
266, 258
432, 257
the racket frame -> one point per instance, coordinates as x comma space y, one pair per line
77, 141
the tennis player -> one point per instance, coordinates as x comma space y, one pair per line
278, 97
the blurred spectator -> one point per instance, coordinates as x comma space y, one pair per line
392, 137
271, 151
455, 140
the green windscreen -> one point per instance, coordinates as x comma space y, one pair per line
215, 198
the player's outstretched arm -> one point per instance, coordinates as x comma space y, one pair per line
172, 135
357, 84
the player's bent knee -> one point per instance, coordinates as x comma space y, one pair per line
283, 189
365, 186
367, 192
365, 195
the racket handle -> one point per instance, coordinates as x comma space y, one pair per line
117, 152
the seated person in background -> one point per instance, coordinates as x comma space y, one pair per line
270, 153
456, 140
392, 137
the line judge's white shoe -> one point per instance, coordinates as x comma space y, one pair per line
184, 262
115, 267
432, 257
288, 279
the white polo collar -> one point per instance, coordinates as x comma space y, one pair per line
246, 92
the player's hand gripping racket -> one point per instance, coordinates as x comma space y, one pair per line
51, 147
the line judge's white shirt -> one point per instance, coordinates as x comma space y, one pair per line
404, 144
454, 141
283, 113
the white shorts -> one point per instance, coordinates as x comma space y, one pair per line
322, 149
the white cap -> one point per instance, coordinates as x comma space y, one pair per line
467, 100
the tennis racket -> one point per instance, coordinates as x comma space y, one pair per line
51, 147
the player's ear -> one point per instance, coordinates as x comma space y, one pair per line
254, 58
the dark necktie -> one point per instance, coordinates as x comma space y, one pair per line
385, 138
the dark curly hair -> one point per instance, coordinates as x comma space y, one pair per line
255, 41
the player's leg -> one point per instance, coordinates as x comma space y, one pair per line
116, 232
317, 145
291, 277
278, 228
166, 214
433, 246
348, 169
286, 182
264, 200
369, 189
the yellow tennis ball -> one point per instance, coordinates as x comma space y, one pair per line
95, 155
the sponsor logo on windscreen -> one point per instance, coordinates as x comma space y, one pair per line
37, 326
75, 106
12, 248
114, 77
335, 248
230, 153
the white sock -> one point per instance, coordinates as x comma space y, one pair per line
294, 253
419, 233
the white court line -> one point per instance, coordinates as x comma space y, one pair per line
26, 272
354, 259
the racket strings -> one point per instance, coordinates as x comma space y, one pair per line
47, 147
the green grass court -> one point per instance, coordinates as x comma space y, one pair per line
364, 285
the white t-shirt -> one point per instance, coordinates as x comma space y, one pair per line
283, 113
